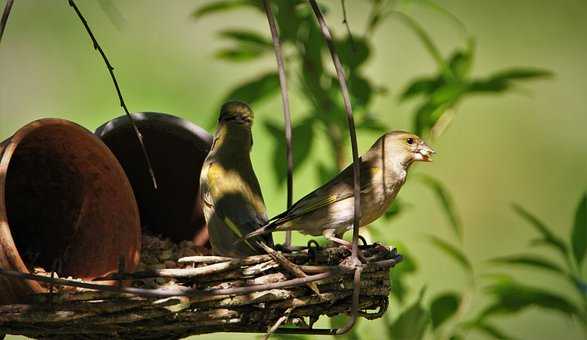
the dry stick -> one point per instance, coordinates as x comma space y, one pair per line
286, 111
356, 174
289, 266
191, 292
5, 14
122, 103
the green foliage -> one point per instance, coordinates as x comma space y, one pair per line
452, 251
303, 133
256, 90
412, 323
447, 203
398, 275
579, 233
511, 297
443, 92
529, 261
548, 237
443, 307
249, 45
491, 331
219, 6
438, 96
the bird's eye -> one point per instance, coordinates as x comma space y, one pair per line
410, 141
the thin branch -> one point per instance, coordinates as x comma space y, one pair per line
351, 123
345, 21
356, 170
5, 14
118, 92
191, 292
285, 104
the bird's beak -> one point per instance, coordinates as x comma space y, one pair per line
424, 153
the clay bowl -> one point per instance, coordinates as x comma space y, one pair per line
177, 149
63, 198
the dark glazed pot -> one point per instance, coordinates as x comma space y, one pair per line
63, 196
177, 149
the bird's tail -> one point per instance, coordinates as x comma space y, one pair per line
266, 229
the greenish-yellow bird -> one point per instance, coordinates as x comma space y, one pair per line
232, 201
328, 210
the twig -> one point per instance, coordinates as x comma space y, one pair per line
285, 104
356, 170
118, 92
345, 21
275, 326
289, 266
172, 292
5, 14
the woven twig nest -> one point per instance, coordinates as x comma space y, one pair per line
259, 291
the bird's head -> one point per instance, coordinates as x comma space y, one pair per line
235, 112
407, 147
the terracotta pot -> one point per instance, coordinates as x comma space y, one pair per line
177, 149
63, 195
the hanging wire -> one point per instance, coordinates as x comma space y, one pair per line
356, 171
285, 104
5, 15
118, 92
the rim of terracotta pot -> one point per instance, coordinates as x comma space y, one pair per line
10, 146
152, 117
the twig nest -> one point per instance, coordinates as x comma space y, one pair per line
215, 294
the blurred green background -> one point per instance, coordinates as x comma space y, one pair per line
527, 146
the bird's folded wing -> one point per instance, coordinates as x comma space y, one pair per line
233, 202
338, 189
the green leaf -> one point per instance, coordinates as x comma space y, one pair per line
504, 80
548, 237
353, 53
427, 115
521, 74
421, 86
452, 251
447, 203
219, 6
529, 261
247, 38
460, 64
394, 209
370, 123
412, 323
302, 138
400, 272
579, 233
256, 90
424, 38
512, 297
492, 331
239, 54
443, 307
361, 91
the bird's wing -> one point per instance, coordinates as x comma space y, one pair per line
237, 201
337, 189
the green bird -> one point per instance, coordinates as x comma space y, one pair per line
232, 201
328, 210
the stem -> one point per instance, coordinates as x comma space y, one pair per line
345, 21
5, 14
118, 92
285, 104
356, 170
